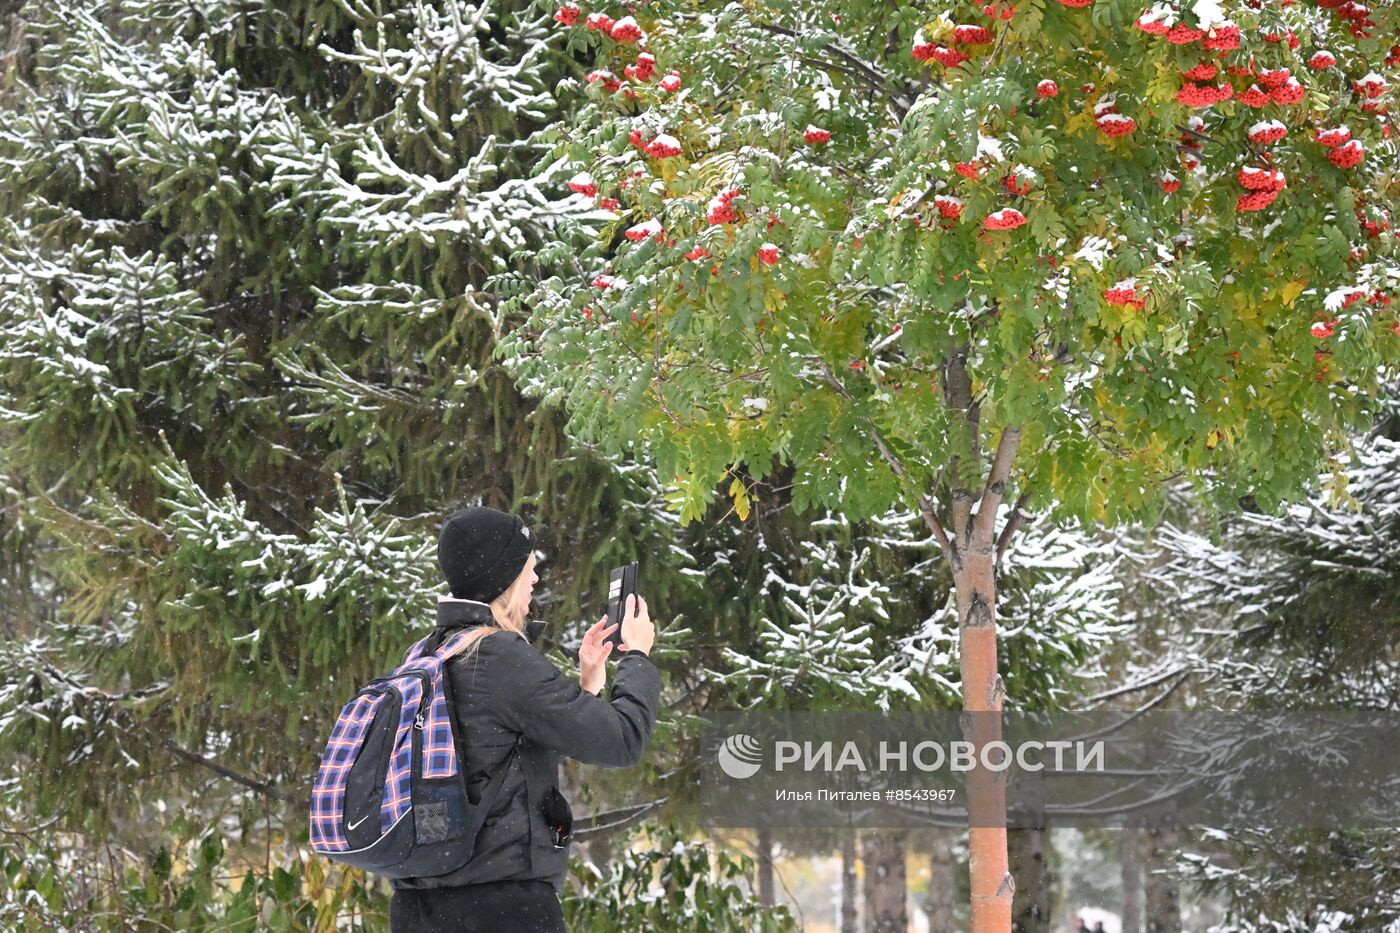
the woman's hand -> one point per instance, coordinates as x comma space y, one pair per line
593, 656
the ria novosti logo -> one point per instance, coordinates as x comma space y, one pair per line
740, 756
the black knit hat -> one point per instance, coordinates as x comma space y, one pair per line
481, 551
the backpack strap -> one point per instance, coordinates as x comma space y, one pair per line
493, 787
415, 649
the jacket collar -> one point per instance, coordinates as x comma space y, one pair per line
452, 612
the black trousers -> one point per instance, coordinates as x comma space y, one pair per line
489, 907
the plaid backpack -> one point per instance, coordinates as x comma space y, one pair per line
390, 796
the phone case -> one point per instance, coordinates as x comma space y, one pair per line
622, 583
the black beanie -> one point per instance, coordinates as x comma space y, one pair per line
481, 551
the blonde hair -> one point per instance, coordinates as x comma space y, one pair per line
506, 621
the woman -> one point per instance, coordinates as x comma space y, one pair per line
502, 688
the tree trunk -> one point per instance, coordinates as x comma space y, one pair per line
1130, 862
885, 887
848, 883
972, 549
942, 883
1031, 904
764, 865
1163, 893
992, 885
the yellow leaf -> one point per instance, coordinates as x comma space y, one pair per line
1212, 439
939, 28
1291, 291
894, 203
741, 499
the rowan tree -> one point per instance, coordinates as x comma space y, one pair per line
976, 260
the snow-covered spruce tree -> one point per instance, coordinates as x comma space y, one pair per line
946, 254
1298, 611
245, 363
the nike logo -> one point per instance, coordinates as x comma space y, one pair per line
356, 823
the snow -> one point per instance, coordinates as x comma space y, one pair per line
1208, 14
989, 147
1095, 251
1160, 13
1334, 300
315, 589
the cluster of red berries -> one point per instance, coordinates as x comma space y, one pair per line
815, 134
768, 253
1349, 11
1321, 59
1007, 218
1169, 183
1324, 328
1288, 36
948, 58
1182, 34
1333, 138
1046, 88
1226, 37
1205, 71
622, 30
1016, 185
720, 210
998, 11
649, 228
1223, 37
972, 35
1125, 294
1264, 186
1262, 179
968, 169
1268, 132
625, 30
663, 146
1115, 124
949, 208
1348, 154
643, 69
1291, 91
1254, 97
583, 184
1076, 3
1373, 228
1371, 86
1203, 95
609, 80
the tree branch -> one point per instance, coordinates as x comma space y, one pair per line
872, 76
926, 504
133, 722
609, 820
1013, 523
1132, 688
984, 529
957, 394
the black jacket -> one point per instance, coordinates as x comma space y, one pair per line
507, 688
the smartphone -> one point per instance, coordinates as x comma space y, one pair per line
622, 583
